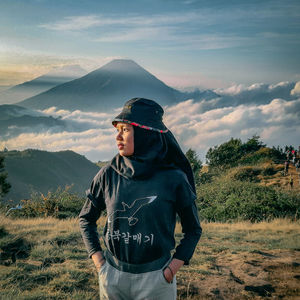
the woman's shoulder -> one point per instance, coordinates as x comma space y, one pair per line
174, 174
104, 171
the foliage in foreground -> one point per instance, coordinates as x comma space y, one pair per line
59, 204
225, 199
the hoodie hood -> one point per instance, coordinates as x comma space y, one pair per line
153, 151
150, 151
155, 147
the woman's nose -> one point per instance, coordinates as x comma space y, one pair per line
119, 136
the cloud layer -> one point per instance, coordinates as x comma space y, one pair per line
277, 123
196, 125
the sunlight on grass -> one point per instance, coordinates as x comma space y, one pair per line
55, 265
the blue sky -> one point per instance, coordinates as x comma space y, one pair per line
209, 44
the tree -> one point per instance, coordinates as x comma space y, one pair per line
196, 164
227, 154
252, 145
4, 185
233, 152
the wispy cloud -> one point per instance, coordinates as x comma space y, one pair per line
180, 30
187, 2
84, 22
74, 23
134, 34
200, 29
171, 39
221, 15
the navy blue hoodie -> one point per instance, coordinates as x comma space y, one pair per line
142, 195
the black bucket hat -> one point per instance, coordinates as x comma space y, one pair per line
144, 113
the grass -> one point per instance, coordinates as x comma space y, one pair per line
232, 261
281, 181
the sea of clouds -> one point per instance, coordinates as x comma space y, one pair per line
270, 111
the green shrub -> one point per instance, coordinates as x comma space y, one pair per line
234, 152
269, 171
227, 200
60, 204
247, 173
205, 177
262, 155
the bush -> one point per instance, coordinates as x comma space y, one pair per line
234, 152
247, 173
260, 156
205, 177
60, 204
269, 171
227, 200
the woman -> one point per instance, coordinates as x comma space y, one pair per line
142, 189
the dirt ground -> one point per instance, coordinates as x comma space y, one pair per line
261, 275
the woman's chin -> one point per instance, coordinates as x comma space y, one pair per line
124, 153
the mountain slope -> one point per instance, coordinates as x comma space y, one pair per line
16, 119
105, 88
40, 84
35, 170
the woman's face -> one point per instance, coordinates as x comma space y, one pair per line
125, 139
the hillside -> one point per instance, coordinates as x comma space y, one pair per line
35, 170
40, 84
278, 179
246, 181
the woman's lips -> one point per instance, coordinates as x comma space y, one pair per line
120, 146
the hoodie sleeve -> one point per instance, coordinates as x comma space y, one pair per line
90, 213
187, 211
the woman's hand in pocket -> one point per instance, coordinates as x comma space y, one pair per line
98, 260
172, 268
168, 275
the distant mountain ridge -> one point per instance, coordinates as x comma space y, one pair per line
40, 84
35, 170
15, 120
105, 88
